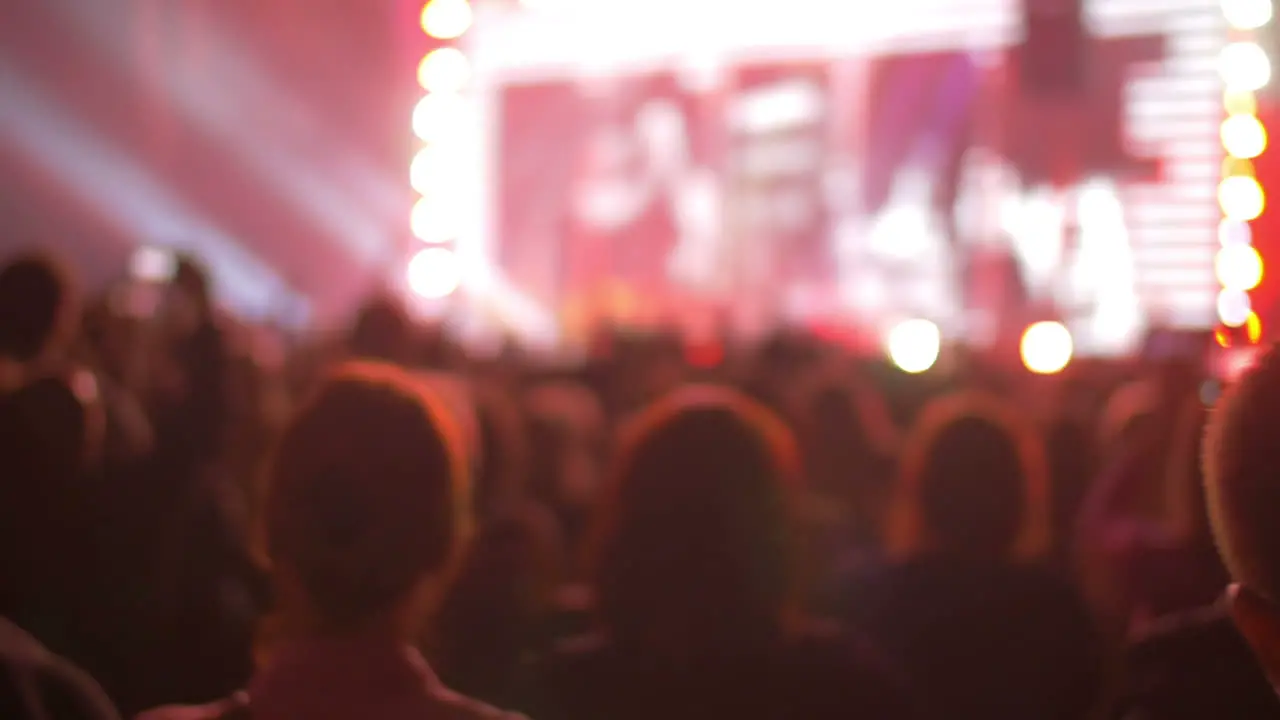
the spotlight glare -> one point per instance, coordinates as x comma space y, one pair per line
1047, 348
437, 170
1247, 14
434, 273
1241, 198
444, 70
1239, 267
1244, 66
1243, 136
1234, 307
914, 345
447, 19
441, 117
1253, 328
1240, 102
434, 222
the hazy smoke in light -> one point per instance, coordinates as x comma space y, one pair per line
263, 128
105, 179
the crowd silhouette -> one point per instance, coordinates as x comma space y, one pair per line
205, 519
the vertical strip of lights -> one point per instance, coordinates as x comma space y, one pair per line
1245, 69
441, 121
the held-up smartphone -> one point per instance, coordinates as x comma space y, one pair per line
153, 265
151, 269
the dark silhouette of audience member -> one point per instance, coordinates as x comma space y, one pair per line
1174, 565
39, 314
197, 587
192, 424
36, 684
367, 511
497, 617
382, 331
979, 629
696, 581
491, 621
1124, 520
1243, 491
848, 448
1190, 664
48, 439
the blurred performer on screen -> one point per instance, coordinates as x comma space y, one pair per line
644, 216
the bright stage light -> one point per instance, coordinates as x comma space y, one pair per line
447, 19
914, 345
1247, 14
1253, 327
1234, 307
1239, 102
441, 117
1241, 198
433, 221
1244, 66
1047, 348
434, 273
1239, 267
1243, 136
444, 70
437, 170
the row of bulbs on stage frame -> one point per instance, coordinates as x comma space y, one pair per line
443, 123
1245, 69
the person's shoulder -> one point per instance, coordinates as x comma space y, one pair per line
23, 656
455, 706
835, 670
1194, 664
575, 658
1187, 637
818, 644
235, 707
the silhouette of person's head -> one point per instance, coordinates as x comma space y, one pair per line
382, 331
694, 548
367, 501
1242, 484
974, 483
50, 429
192, 279
37, 308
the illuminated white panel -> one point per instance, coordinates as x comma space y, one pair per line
1173, 108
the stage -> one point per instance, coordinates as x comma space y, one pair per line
725, 164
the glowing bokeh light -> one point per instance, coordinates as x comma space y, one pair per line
1253, 327
444, 70
153, 264
1241, 198
436, 170
1234, 232
1239, 102
434, 273
441, 117
914, 345
1247, 14
1238, 167
1047, 348
435, 222
1239, 267
1244, 66
1243, 136
447, 19
1234, 307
